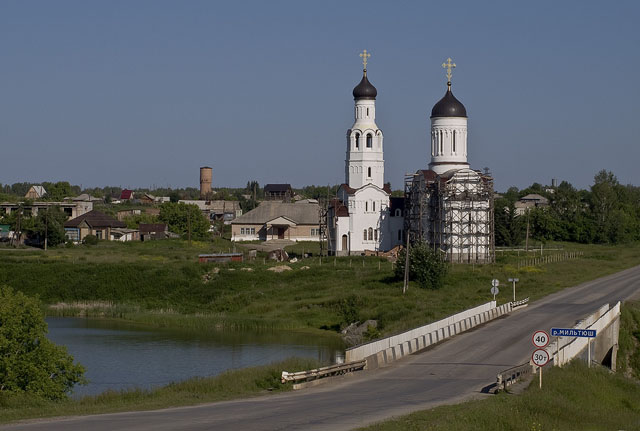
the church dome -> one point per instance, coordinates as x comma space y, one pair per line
365, 90
448, 106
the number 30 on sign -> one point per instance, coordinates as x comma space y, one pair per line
540, 357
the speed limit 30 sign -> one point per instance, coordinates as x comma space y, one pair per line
540, 339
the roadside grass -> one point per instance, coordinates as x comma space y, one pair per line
162, 284
232, 384
628, 361
572, 398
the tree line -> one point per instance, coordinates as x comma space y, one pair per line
607, 213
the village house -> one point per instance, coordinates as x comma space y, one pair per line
279, 220
530, 201
71, 209
35, 192
149, 231
92, 223
217, 210
278, 192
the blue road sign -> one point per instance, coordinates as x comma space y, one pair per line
573, 332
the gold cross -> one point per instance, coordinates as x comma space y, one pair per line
449, 66
364, 56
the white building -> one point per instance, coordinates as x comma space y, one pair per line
450, 206
361, 218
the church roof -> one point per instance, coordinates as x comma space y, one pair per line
448, 106
365, 90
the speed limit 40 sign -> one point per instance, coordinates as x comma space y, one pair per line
540, 339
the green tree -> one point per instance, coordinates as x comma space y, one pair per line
426, 266
508, 226
29, 362
179, 216
57, 191
50, 223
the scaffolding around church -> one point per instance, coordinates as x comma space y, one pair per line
453, 213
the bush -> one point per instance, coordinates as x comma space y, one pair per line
29, 362
426, 266
90, 240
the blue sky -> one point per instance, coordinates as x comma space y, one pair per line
143, 93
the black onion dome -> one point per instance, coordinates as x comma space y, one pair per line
365, 90
448, 106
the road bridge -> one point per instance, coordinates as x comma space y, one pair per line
453, 371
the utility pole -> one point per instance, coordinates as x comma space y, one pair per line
46, 228
406, 267
189, 225
526, 243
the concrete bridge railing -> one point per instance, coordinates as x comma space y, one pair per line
384, 351
604, 349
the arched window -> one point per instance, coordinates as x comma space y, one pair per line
369, 172
369, 140
398, 213
370, 234
375, 234
366, 206
357, 140
374, 205
367, 112
441, 151
454, 141
364, 235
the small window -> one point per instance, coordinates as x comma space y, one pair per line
441, 150
369, 140
454, 141
253, 231
367, 112
369, 172
370, 234
375, 234
398, 212
399, 235
241, 231
357, 140
364, 235
374, 206
366, 206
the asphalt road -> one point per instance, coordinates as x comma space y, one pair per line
453, 371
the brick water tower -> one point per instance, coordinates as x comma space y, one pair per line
205, 182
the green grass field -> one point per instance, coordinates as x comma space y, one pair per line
162, 284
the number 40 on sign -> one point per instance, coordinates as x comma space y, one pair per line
540, 357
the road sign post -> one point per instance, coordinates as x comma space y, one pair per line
540, 358
514, 281
494, 287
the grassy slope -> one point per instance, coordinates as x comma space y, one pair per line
164, 276
229, 385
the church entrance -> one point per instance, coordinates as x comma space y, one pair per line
345, 242
281, 232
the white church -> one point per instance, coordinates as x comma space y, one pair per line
364, 217
448, 206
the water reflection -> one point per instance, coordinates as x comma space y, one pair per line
119, 355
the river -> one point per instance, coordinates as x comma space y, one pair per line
119, 355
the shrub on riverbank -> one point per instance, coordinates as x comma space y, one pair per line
228, 385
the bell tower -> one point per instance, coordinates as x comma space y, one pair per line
365, 160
